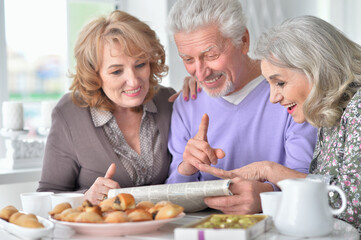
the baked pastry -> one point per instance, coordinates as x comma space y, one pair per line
116, 217
71, 217
61, 216
89, 217
86, 203
124, 201
168, 211
7, 211
146, 205
107, 205
14, 217
95, 209
137, 215
154, 210
59, 208
25, 220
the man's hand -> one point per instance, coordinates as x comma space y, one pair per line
198, 151
245, 199
190, 86
99, 190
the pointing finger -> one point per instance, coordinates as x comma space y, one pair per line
203, 128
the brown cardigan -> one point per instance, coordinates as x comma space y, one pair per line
76, 152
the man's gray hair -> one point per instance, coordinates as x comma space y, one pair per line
331, 62
188, 15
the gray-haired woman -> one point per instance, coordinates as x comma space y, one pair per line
315, 71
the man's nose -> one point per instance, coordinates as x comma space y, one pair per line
201, 70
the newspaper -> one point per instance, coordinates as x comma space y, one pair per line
189, 195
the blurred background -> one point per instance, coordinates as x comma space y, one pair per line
37, 39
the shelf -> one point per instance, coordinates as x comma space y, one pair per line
8, 176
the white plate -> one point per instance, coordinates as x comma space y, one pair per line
28, 233
117, 229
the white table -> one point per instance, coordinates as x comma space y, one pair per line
342, 230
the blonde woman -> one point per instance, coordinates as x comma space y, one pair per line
111, 131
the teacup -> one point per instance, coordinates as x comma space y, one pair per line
38, 203
270, 202
75, 199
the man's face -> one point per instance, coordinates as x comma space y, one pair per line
212, 59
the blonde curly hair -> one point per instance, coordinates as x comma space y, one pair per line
137, 40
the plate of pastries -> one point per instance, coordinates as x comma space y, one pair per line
116, 216
24, 225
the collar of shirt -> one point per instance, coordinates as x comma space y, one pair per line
237, 97
101, 117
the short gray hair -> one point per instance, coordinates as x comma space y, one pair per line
331, 62
188, 15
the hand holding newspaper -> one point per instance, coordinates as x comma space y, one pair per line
189, 195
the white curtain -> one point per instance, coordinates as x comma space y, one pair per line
263, 14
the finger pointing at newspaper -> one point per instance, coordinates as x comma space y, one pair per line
215, 153
203, 129
198, 151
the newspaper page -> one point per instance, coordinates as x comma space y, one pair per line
189, 195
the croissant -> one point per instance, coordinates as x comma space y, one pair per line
62, 216
155, 209
25, 220
95, 209
89, 217
169, 211
137, 215
116, 217
7, 211
59, 208
124, 201
146, 205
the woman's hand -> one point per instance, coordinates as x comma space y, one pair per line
255, 171
190, 86
258, 171
99, 190
198, 151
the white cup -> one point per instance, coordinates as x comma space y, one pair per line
13, 115
75, 199
46, 109
38, 203
270, 202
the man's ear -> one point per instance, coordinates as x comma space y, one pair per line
245, 42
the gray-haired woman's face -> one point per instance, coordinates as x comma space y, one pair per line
288, 87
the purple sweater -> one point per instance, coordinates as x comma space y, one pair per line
254, 130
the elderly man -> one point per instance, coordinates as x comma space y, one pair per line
234, 113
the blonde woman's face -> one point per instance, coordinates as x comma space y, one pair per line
125, 80
288, 87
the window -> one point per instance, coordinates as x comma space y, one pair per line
40, 37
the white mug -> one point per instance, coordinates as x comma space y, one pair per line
270, 202
13, 115
38, 203
75, 199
